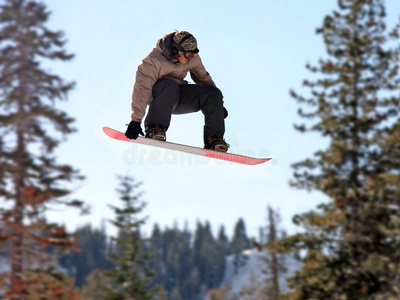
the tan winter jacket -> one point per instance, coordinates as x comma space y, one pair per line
161, 63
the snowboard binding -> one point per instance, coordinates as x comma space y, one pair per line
156, 133
216, 142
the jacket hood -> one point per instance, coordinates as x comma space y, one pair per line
164, 45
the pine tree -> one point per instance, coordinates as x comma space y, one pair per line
209, 258
93, 245
31, 127
240, 242
131, 275
162, 295
165, 261
223, 252
93, 289
275, 262
156, 261
351, 243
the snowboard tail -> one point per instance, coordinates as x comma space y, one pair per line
241, 159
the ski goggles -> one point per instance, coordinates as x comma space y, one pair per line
189, 55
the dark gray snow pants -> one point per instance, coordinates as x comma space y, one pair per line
171, 98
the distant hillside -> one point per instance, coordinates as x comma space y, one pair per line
249, 273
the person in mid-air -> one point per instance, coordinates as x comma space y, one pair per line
160, 84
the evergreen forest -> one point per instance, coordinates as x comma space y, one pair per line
185, 264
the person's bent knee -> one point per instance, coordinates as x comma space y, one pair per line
214, 91
213, 96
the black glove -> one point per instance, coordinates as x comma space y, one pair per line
133, 131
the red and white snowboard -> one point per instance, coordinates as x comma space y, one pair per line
246, 160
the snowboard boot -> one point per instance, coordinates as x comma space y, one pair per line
156, 133
216, 142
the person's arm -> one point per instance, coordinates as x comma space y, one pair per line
198, 73
147, 75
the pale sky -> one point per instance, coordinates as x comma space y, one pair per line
255, 51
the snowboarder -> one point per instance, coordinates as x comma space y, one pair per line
160, 84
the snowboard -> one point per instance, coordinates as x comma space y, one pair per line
235, 158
